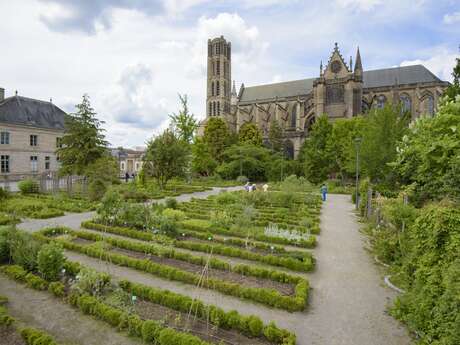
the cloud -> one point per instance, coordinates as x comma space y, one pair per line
360, 5
441, 62
451, 18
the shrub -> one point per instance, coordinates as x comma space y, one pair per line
150, 331
171, 203
242, 179
51, 261
90, 281
28, 186
36, 282
24, 249
4, 246
255, 326
57, 289
4, 194
174, 215
96, 189
34, 336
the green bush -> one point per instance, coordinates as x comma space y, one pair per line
57, 289
174, 215
4, 194
51, 261
4, 245
91, 282
96, 189
24, 249
34, 336
28, 186
36, 282
171, 203
150, 331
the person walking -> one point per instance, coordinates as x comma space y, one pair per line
324, 191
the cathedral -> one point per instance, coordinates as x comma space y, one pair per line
342, 90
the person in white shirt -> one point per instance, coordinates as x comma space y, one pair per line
265, 187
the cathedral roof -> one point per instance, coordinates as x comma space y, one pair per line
375, 78
31, 112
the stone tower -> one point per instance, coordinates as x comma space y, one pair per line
219, 85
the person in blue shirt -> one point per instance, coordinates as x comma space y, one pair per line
324, 191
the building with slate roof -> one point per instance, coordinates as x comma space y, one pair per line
30, 131
342, 90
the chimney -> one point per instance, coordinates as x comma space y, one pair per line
2, 94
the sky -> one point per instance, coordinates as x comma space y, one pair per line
133, 57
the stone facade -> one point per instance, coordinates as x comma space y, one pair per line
130, 161
29, 136
342, 90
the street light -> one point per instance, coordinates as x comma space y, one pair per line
357, 146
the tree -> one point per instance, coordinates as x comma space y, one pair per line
249, 133
83, 142
101, 174
383, 130
216, 137
166, 157
454, 89
315, 153
202, 161
244, 160
275, 136
429, 154
184, 123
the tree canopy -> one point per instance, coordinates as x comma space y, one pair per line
83, 142
183, 122
216, 137
249, 133
453, 90
275, 136
166, 157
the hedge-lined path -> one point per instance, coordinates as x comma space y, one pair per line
348, 302
67, 325
73, 220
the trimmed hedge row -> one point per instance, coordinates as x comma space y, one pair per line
304, 263
248, 325
151, 332
258, 235
268, 297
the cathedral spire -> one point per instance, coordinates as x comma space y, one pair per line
321, 69
358, 64
351, 64
234, 90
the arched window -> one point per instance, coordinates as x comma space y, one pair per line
294, 116
218, 108
210, 108
217, 88
288, 149
213, 68
212, 89
380, 102
225, 89
430, 105
218, 67
406, 104
214, 108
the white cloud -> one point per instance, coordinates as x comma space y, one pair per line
441, 62
362, 5
451, 18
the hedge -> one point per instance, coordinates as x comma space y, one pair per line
305, 264
217, 316
265, 296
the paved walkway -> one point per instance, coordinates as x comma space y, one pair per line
67, 325
73, 220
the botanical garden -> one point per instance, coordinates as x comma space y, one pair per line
184, 255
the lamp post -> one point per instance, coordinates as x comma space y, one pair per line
357, 146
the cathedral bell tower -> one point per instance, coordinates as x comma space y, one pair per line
219, 85
338, 90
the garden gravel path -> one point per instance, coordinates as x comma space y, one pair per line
348, 301
73, 220
67, 325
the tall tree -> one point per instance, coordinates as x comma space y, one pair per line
275, 136
316, 154
202, 161
184, 122
83, 142
166, 157
249, 133
383, 130
454, 89
217, 137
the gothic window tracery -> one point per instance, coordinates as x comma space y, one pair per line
406, 103
217, 88
212, 89
210, 108
428, 104
334, 94
218, 108
294, 116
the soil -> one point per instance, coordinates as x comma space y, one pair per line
82, 241
195, 326
283, 288
9, 336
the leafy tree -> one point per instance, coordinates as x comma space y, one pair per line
342, 145
428, 154
202, 161
275, 136
278, 167
183, 122
216, 137
454, 89
51, 261
315, 153
248, 160
166, 157
249, 133
84, 141
383, 130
